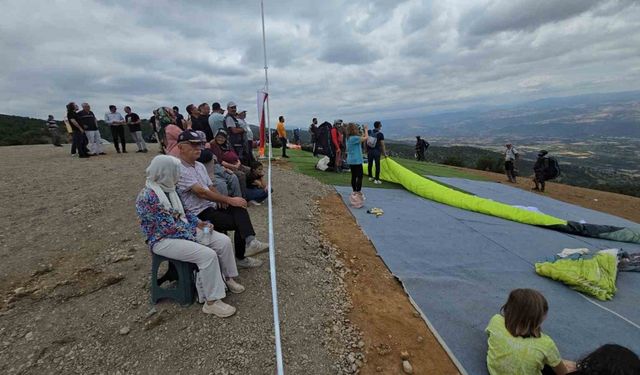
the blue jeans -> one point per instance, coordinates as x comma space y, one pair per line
256, 194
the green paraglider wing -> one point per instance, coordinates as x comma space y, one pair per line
432, 190
594, 276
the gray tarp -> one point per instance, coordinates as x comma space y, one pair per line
459, 266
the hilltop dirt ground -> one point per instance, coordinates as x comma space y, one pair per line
74, 281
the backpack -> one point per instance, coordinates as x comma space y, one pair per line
323, 145
372, 140
553, 171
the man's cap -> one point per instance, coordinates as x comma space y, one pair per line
216, 106
231, 104
221, 132
189, 136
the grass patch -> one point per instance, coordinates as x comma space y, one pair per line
305, 163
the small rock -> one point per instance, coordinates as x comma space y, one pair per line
406, 367
124, 330
420, 339
360, 344
404, 355
416, 314
29, 336
351, 358
378, 369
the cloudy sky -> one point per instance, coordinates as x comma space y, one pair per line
357, 60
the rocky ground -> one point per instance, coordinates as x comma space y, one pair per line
74, 280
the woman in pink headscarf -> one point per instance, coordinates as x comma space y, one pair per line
167, 120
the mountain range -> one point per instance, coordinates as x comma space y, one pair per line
575, 117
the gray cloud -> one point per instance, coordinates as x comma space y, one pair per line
514, 15
356, 59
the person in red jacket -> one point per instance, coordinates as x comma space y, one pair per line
336, 139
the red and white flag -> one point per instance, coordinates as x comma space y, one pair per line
262, 98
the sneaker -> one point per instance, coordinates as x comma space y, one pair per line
118, 151
254, 203
370, 179
256, 247
139, 151
102, 153
219, 309
377, 182
124, 151
285, 156
145, 151
234, 287
248, 263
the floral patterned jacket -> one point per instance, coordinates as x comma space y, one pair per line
158, 223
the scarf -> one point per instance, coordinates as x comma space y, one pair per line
162, 176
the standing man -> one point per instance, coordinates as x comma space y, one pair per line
79, 138
421, 148
205, 112
312, 130
52, 127
248, 147
88, 121
234, 129
216, 120
510, 157
375, 149
198, 121
179, 117
282, 134
116, 124
200, 197
133, 122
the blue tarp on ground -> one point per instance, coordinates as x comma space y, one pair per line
459, 266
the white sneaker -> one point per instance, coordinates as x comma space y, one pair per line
248, 263
256, 247
370, 179
254, 203
377, 182
219, 309
234, 286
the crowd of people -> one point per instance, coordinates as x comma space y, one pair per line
200, 190
345, 146
86, 137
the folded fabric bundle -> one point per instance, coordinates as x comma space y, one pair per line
595, 276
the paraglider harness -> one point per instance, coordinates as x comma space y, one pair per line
323, 145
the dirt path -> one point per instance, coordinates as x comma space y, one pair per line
381, 309
75, 274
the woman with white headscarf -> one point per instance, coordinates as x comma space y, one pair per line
173, 233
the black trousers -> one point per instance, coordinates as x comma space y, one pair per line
79, 144
374, 157
232, 218
117, 132
284, 146
356, 176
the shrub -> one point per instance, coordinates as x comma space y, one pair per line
455, 161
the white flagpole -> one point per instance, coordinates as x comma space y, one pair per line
272, 248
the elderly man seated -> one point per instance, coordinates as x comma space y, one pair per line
200, 197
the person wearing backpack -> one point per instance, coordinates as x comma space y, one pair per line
375, 149
421, 148
541, 170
